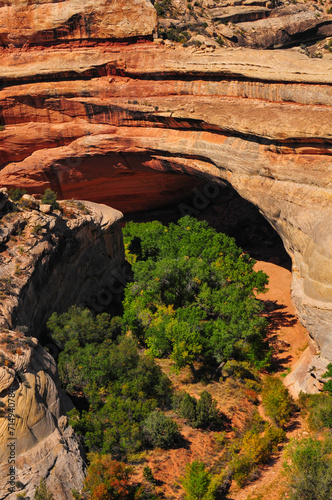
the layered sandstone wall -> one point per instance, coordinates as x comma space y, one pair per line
117, 124
46, 21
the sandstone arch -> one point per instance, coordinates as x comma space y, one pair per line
112, 117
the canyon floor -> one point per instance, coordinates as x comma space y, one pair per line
289, 340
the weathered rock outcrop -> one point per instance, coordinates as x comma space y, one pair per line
35, 440
48, 21
49, 262
108, 121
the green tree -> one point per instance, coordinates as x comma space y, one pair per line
196, 481
193, 295
122, 386
160, 430
49, 198
207, 412
16, 194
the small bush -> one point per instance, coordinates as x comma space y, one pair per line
319, 408
196, 481
206, 411
16, 194
328, 373
49, 198
310, 470
163, 7
255, 449
160, 431
42, 492
148, 475
201, 413
37, 229
277, 401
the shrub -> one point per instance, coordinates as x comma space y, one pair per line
206, 411
277, 401
49, 198
328, 374
319, 408
310, 470
200, 413
42, 492
107, 478
16, 194
196, 481
148, 475
255, 449
37, 229
160, 431
163, 7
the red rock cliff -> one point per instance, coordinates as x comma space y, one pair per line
117, 122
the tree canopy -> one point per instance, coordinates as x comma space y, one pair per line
193, 294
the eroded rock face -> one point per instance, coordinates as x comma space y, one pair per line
127, 119
48, 21
51, 261
34, 437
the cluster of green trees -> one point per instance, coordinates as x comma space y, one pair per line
201, 413
192, 299
193, 295
123, 387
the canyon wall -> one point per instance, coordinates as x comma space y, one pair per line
35, 440
49, 261
118, 124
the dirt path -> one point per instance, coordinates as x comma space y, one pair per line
285, 332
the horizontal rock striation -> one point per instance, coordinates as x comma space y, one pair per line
119, 124
46, 21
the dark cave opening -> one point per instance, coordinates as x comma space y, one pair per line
229, 213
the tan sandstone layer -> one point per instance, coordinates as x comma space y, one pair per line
35, 441
49, 261
115, 124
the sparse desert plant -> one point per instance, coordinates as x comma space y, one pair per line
37, 229
42, 492
49, 198
18, 270
16, 194
277, 401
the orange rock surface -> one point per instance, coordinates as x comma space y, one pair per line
140, 125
